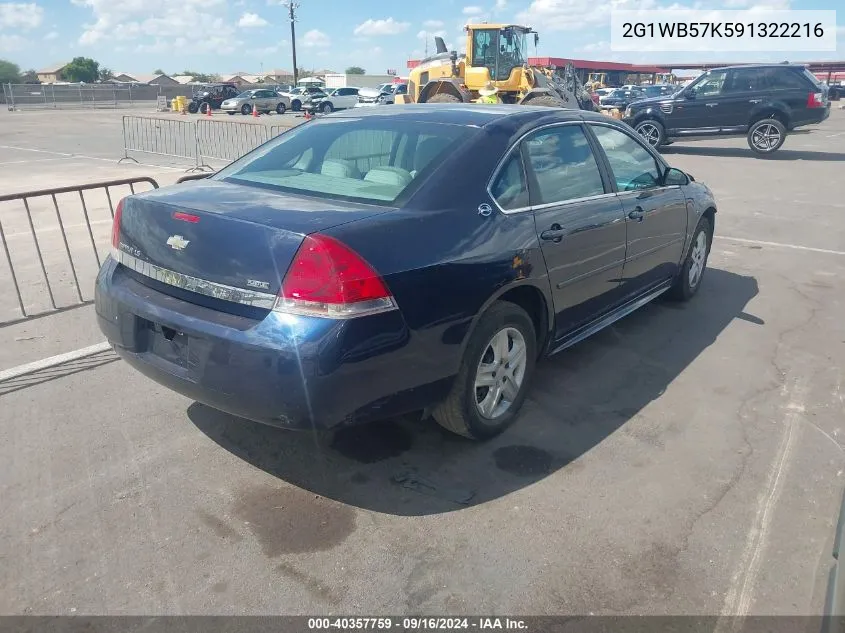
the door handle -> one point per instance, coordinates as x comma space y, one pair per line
554, 234
754, 100
711, 105
637, 214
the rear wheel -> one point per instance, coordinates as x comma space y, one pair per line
443, 97
280, 108
766, 136
193, 108
205, 108
652, 131
493, 380
246, 109
296, 105
545, 100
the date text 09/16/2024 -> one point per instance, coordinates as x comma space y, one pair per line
422, 624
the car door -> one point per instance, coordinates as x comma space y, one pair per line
740, 95
348, 98
578, 219
266, 100
655, 214
695, 109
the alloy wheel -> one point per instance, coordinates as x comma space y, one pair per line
650, 133
500, 373
697, 257
766, 137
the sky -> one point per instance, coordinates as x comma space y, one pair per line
226, 36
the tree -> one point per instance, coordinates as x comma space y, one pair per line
106, 74
159, 71
30, 77
9, 73
81, 69
202, 78
355, 70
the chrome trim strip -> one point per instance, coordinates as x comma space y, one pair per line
193, 284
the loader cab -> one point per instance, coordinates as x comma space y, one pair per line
500, 49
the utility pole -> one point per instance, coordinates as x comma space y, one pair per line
292, 6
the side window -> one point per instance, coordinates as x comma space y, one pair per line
563, 165
632, 165
744, 80
509, 188
785, 79
712, 85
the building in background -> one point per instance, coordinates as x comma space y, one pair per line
51, 74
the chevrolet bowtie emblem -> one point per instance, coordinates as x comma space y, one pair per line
177, 242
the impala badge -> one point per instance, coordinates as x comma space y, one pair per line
177, 242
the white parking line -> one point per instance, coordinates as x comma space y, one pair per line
65, 155
780, 245
23, 162
52, 361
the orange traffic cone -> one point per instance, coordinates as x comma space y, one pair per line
307, 115
254, 111
208, 110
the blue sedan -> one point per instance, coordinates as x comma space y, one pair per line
392, 260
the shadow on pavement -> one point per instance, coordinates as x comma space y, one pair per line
745, 152
579, 398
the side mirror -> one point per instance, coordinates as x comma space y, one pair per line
674, 176
252, 97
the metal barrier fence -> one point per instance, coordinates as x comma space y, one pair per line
50, 96
197, 140
162, 137
35, 217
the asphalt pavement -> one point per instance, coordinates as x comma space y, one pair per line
687, 460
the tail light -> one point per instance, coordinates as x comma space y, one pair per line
329, 279
815, 100
115, 227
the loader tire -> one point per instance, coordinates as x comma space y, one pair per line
545, 100
443, 97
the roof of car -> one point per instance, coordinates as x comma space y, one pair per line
466, 113
769, 65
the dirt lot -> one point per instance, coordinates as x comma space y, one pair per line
688, 460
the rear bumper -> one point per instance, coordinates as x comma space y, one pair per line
287, 371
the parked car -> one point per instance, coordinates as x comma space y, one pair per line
836, 91
211, 95
388, 97
262, 99
659, 90
383, 95
336, 275
298, 95
620, 99
337, 99
762, 102
369, 97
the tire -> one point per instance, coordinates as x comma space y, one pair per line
326, 108
652, 131
280, 109
688, 281
231, 113
443, 97
193, 108
205, 107
246, 109
461, 412
545, 100
766, 136
296, 105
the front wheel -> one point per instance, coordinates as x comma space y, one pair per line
494, 376
652, 131
246, 109
766, 136
280, 109
443, 97
326, 108
689, 279
193, 108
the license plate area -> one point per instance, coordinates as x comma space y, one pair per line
170, 345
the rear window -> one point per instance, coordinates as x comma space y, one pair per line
813, 79
371, 160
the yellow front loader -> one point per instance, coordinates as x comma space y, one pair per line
497, 54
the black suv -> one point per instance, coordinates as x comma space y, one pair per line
761, 102
211, 95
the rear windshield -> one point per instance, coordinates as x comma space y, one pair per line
815, 80
369, 159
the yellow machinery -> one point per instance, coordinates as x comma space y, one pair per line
595, 81
495, 53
